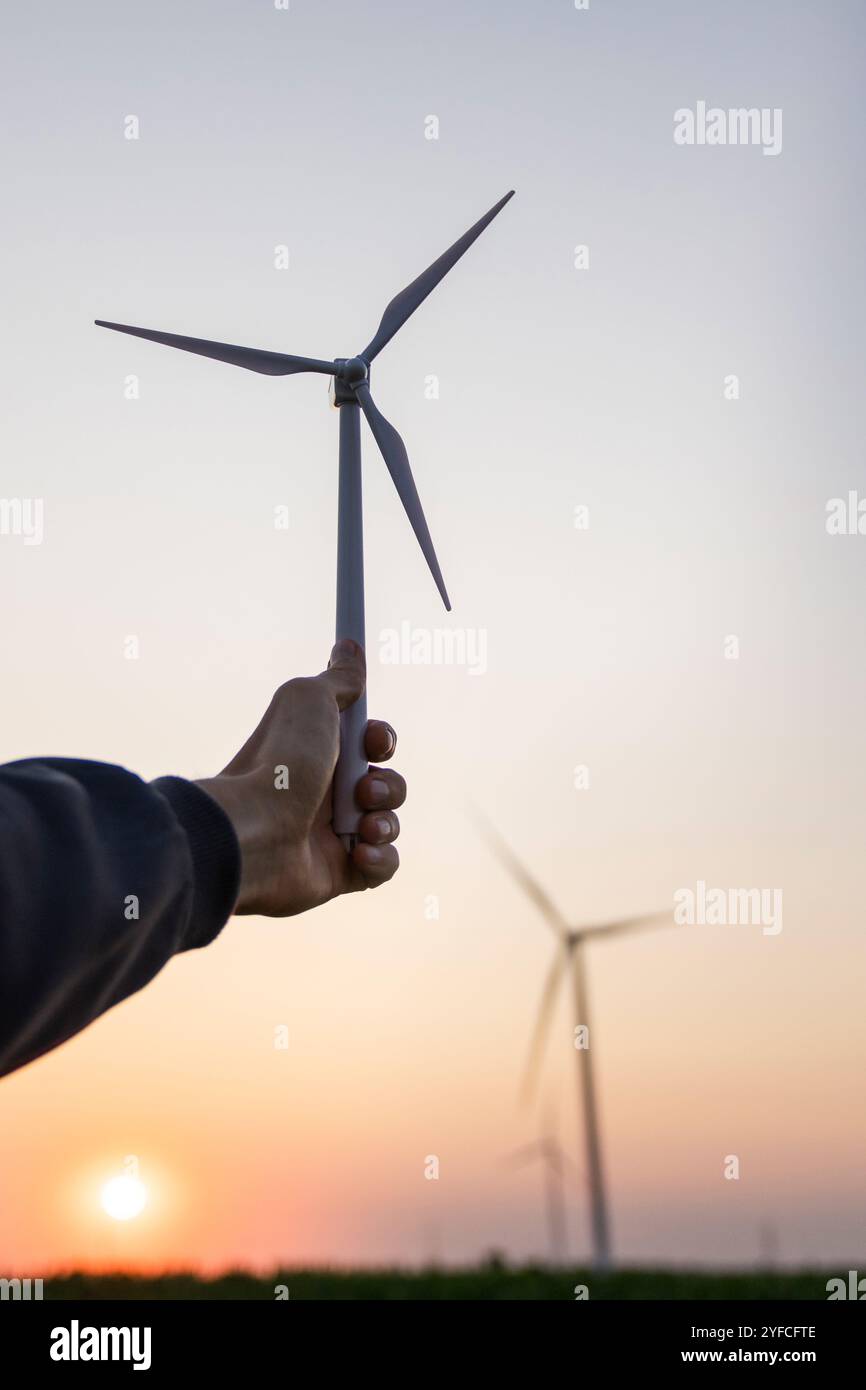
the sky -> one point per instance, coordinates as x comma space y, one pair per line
625, 455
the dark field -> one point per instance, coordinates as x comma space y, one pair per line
487, 1282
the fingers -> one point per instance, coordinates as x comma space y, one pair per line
380, 790
379, 827
346, 675
380, 741
377, 863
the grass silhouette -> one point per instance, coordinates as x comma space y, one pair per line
493, 1280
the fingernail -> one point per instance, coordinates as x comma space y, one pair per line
379, 789
383, 825
373, 855
393, 737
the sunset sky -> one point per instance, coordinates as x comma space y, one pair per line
605, 647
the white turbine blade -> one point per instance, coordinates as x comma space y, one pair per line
253, 359
628, 924
542, 1023
533, 890
393, 451
404, 304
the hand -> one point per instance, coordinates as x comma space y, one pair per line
291, 859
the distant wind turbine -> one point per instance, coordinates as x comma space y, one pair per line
548, 1151
568, 958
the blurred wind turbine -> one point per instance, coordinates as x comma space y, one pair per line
568, 959
557, 1165
350, 378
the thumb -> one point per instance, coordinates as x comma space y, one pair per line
346, 675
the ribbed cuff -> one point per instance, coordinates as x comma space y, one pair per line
216, 858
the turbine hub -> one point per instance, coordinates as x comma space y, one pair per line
354, 371
351, 371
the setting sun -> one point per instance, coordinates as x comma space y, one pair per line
123, 1198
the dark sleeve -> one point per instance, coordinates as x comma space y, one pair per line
103, 878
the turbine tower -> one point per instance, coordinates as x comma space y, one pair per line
568, 961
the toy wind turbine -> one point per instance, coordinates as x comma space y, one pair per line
351, 394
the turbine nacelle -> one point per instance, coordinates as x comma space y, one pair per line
349, 374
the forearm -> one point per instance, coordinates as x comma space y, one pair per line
103, 878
